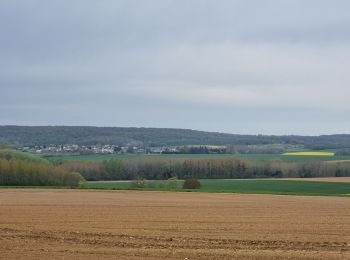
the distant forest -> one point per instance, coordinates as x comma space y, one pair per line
84, 135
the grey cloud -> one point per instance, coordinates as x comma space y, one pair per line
147, 63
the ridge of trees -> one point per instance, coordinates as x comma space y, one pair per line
202, 168
85, 135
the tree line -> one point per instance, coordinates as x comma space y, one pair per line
19, 172
82, 135
202, 168
15, 172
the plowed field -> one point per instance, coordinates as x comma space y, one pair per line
75, 224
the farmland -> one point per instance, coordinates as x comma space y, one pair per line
252, 186
254, 157
314, 153
75, 224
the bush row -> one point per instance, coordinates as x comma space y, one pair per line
202, 168
26, 173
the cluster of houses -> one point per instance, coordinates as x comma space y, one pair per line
75, 149
78, 149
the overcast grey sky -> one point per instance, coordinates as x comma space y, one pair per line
236, 66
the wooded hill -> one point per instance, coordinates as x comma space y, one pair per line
86, 135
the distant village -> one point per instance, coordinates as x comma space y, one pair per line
84, 149
132, 148
74, 149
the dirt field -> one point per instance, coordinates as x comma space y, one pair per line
75, 224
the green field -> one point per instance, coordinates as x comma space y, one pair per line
254, 157
254, 186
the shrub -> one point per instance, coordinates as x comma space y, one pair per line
191, 184
172, 183
139, 184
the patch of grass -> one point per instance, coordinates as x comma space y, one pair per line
277, 187
254, 186
108, 185
253, 157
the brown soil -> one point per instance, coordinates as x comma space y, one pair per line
75, 224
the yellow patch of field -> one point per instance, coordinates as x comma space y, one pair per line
311, 153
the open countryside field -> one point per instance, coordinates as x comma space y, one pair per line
76, 224
249, 186
254, 157
322, 179
314, 153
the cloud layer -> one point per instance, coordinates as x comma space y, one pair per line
273, 67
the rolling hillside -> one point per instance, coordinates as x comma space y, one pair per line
86, 135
